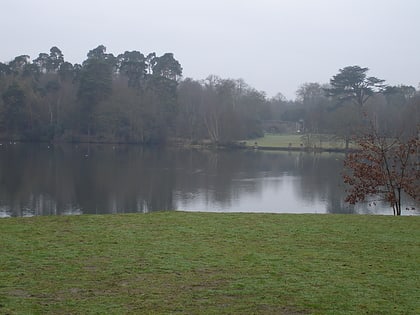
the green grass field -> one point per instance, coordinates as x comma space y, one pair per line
206, 263
297, 141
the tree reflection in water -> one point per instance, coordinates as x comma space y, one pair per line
41, 179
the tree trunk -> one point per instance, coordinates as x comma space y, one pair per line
399, 201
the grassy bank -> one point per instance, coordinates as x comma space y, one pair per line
196, 263
296, 141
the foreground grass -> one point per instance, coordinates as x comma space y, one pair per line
196, 263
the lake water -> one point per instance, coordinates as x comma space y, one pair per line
43, 179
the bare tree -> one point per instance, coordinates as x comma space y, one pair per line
383, 167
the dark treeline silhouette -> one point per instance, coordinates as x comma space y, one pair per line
137, 98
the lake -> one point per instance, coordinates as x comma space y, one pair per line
45, 179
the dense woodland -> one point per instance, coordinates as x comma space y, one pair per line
138, 98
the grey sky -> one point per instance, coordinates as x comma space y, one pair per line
273, 45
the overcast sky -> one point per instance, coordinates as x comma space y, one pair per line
274, 45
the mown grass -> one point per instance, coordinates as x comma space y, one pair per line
297, 141
207, 263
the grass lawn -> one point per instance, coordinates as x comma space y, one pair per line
209, 263
296, 140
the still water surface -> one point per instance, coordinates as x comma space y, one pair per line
42, 179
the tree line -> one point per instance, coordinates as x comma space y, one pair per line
142, 98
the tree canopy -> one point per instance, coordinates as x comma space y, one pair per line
352, 83
143, 98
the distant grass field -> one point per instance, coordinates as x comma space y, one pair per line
203, 263
297, 141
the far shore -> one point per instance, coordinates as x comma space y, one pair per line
270, 142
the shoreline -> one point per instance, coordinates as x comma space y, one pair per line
190, 145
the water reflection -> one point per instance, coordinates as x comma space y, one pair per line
40, 179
